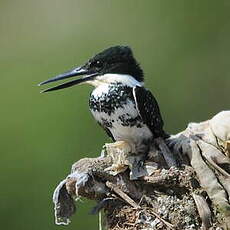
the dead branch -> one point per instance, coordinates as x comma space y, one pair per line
189, 192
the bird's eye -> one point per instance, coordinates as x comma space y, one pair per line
96, 64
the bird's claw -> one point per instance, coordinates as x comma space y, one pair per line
141, 162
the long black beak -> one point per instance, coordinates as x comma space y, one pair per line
72, 73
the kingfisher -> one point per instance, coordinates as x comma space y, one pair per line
119, 102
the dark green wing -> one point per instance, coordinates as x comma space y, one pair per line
149, 111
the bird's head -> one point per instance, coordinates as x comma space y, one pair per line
115, 64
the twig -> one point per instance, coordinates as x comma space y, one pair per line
100, 220
130, 201
169, 225
123, 195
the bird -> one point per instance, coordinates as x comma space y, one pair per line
119, 102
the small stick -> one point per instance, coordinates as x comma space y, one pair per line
122, 195
100, 220
130, 201
169, 225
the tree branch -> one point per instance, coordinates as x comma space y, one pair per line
189, 192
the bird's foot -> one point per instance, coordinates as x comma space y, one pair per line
142, 160
119, 152
122, 156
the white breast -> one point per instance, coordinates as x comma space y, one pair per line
135, 134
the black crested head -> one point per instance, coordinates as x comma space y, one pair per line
116, 60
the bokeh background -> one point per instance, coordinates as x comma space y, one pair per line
183, 47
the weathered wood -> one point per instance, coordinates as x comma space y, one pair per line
192, 194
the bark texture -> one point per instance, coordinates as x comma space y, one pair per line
184, 183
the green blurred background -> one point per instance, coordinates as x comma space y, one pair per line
183, 47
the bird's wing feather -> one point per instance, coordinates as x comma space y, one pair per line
149, 111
